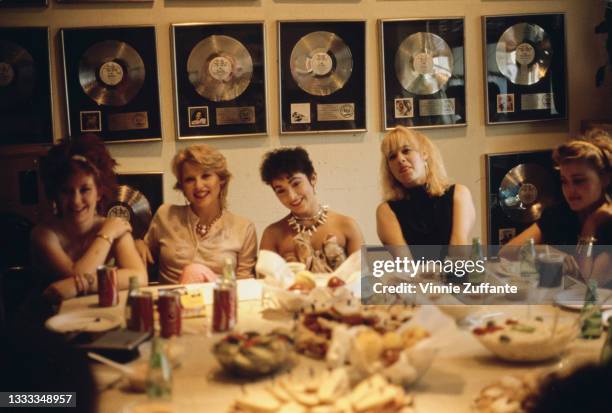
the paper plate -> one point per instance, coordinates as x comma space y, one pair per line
91, 321
574, 298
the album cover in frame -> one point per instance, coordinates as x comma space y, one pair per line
423, 76
111, 79
520, 185
322, 76
525, 67
219, 79
23, 3
26, 112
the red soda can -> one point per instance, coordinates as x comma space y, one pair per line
224, 309
108, 290
141, 317
169, 307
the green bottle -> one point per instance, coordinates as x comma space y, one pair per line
527, 255
159, 376
133, 288
606, 350
476, 277
591, 314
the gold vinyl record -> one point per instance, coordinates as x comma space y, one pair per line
423, 63
111, 73
132, 206
525, 191
321, 63
17, 74
524, 53
220, 68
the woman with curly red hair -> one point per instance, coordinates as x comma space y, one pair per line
79, 179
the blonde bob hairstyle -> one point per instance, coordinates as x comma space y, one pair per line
209, 159
436, 181
595, 149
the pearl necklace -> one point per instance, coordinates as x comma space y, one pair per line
203, 229
319, 218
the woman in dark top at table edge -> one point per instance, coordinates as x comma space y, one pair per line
420, 206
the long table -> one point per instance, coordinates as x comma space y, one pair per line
455, 378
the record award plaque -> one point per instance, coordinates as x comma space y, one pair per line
25, 86
112, 83
525, 68
322, 76
520, 186
219, 79
423, 77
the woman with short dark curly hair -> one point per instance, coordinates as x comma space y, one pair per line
311, 233
79, 179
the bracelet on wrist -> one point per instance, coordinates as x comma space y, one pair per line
105, 238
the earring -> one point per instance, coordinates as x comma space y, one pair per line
54, 208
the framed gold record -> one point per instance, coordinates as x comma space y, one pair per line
322, 76
525, 67
112, 82
423, 77
219, 79
25, 86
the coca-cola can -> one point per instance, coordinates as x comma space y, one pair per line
141, 316
108, 290
224, 309
169, 307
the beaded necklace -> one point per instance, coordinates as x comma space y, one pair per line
296, 223
203, 229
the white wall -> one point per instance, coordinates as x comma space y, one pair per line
347, 164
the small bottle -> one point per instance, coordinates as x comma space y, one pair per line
591, 314
606, 350
527, 256
225, 300
476, 276
129, 302
584, 256
159, 376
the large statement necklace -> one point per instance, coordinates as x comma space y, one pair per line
203, 229
298, 224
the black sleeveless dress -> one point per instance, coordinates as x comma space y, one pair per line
425, 220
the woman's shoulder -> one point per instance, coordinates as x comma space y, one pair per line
460, 192
45, 231
342, 220
169, 210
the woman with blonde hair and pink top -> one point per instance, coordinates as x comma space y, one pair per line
193, 241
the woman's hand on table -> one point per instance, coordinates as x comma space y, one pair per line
61, 290
143, 251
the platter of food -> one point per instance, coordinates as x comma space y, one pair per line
327, 392
253, 354
527, 338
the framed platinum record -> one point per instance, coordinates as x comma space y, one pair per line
322, 76
111, 80
525, 68
25, 86
520, 186
423, 77
219, 79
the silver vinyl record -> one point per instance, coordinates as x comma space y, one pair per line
525, 191
524, 53
321, 63
132, 206
423, 63
111, 73
17, 74
220, 68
